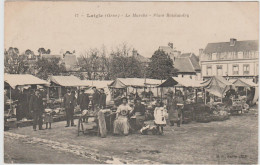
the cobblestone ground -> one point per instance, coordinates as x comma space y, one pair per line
232, 141
17, 151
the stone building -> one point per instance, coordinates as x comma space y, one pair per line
233, 59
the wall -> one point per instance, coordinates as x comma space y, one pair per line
227, 67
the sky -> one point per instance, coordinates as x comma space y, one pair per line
62, 26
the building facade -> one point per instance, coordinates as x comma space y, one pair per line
234, 59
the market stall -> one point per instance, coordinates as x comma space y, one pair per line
249, 87
17, 90
12, 81
135, 85
183, 84
99, 84
217, 86
58, 85
194, 109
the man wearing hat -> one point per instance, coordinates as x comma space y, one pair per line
95, 99
83, 101
69, 104
102, 99
36, 108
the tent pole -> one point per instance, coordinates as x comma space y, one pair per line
10, 98
48, 94
161, 92
150, 92
157, 91
60, 95
196, 90
205, 96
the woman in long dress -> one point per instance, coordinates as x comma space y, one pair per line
121, 124
139, 114
172, 108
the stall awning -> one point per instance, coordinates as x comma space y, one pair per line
181, 82
133, 82
97, 83
67, 81
244, 83
23, 79
217, 86
153, 82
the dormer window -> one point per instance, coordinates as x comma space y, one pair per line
232, 41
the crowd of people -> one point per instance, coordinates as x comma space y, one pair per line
32, 106
125, 113
128, 117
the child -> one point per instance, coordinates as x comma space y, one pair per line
159, 116
48, 119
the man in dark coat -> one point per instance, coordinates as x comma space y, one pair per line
36, 107
95, 99
69, 104
102, 99
83, 100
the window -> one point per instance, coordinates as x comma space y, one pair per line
240, 55
214, 56
234, 54
209, 70
246, 54
246, 69
218, 56
219, 70
209, 56
229, 55
223, 56
235, 69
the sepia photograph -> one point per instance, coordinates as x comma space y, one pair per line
130, 82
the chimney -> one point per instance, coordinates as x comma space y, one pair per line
170, 45
232, 41
134, 52
200, 52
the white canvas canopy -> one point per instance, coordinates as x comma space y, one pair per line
217, 86
134, 82
67, 81
97, 83
242, 82
23, 80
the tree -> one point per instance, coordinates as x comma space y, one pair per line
48, 51
41, 51
15, 63
160, 66
125, 66
99, 64
47, 67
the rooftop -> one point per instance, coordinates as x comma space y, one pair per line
238, 46
187, 62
